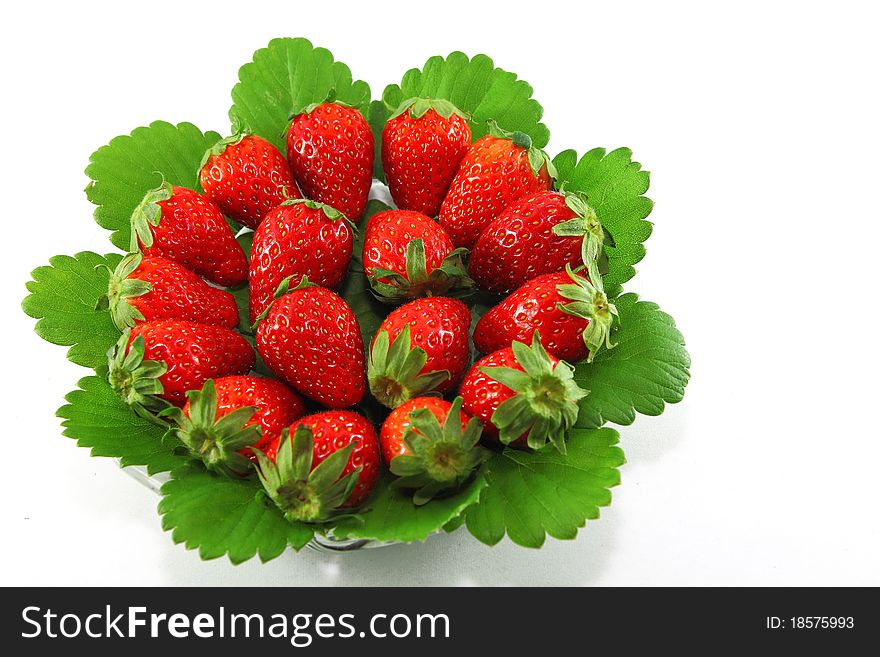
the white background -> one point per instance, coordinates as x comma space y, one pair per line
759, 123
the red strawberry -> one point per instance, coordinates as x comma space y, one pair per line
144, 289
298, 238
431, 445
539, 234
310, 338
163, 360
423, 143
574, 317
330, 150
522, 395
184, 226
407, 254
421, 347
498, 170
246, 176
331, 461
226, 418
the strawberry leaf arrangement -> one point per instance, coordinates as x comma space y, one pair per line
299, 363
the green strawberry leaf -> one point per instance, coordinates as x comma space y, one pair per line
223, 516
391, 515
96, 418
377, 117
131, 165
62, 298
615, 186
476, 87
534, 494
647, 368
283, 79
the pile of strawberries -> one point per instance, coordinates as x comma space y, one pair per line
479, 215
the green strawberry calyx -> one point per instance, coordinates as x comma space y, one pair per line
238, 133
585, 224
214, 441
544, 406
395, 370
301, 493
329, 211
538, 159
136, 380
148, 214
282, 289
449, 279
120, 288
418, 107
440, 458
589, 302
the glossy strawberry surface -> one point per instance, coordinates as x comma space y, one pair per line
389, 233
397, 422
494, 173
440, 326
311, 339
177, 293
330, 151
193, 353
246, 180
534, 307
482, 394
334, 430
297, 240
193, 233
277, 405
420, 157
519, 244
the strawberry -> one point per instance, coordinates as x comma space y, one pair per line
573, 316
310, 338
146, 289
423, 143
407, 254
162, 360
226, 418
431, 445
522, 395
330, 150
539, 234
302, 238
497, 170
331, 462
184, 226
421, 347
246, 176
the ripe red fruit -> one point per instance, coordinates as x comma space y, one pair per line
222, 422
497, 170
163, 360
330, 150
423, 143
407, 255
246, 176
331, 461
421, 347
184, 226
298, 238
539, 234
522, 395
310, 338
146, 289
431, 445
573, 316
